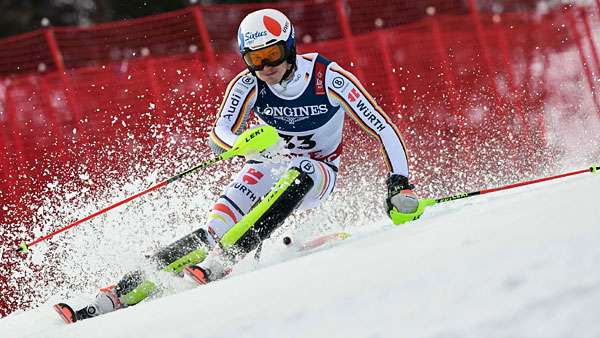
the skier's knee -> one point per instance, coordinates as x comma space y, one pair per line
304, 164
276, 214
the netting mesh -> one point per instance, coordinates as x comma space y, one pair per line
367, 16
171, 34
28, 53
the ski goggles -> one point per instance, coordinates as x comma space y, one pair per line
271, 56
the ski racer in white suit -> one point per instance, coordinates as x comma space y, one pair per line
306, 98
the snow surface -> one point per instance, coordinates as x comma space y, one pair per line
519, 263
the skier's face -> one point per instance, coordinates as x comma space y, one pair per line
273, 75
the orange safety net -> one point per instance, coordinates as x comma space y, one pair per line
446, 71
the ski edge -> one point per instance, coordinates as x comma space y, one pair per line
322, 240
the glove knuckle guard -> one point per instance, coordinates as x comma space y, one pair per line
400, 195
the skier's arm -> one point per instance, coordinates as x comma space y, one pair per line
234, 112
345, 89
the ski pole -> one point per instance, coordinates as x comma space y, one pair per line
399, 218
591, 169
251, 141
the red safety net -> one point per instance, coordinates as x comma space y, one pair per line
452, 75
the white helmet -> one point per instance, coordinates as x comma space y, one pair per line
267, 27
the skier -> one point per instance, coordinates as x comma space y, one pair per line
305, 98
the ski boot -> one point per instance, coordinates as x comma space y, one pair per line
216, 266
106, 301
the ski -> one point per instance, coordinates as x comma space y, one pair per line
318, 241
66, 312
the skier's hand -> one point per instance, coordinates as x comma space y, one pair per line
275, 153
402, 202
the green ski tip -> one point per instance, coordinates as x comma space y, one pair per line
23, 248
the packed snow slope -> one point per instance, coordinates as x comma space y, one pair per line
519, 263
